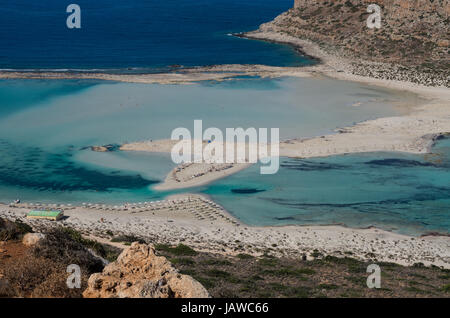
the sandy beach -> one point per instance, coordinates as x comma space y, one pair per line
189, 174
197, 174
199, 222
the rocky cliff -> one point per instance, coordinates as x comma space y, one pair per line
139, 273
414, 33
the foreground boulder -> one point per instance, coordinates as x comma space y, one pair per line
139, 273
31, 239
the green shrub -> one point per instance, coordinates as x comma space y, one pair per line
295, 272
217, 273
328, 286
244, 256
182, 261
109, 253
23, 228
206, 282
217, 262
13, 230
179, 250
127, 239
68, 246
268, 261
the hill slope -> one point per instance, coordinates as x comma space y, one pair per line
414, 35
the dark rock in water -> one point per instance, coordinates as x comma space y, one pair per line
399, 163
307, 165
105, 148
435, 233
246, 191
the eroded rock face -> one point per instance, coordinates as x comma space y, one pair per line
139, 273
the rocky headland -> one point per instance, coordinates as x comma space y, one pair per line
411, 45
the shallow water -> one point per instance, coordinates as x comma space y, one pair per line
72, 176
44, 125
80, 113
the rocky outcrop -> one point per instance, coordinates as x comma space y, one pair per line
105, 148
414, 33
31, 239
139, 273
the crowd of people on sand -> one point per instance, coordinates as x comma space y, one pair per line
210, 168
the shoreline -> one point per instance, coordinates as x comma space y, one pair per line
192, 75
179, 222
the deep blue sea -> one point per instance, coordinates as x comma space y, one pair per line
138, 35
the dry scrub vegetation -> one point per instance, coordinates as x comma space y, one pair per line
40, 271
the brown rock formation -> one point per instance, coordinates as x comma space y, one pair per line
139, 273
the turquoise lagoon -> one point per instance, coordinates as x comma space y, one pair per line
46, 125
399, 192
